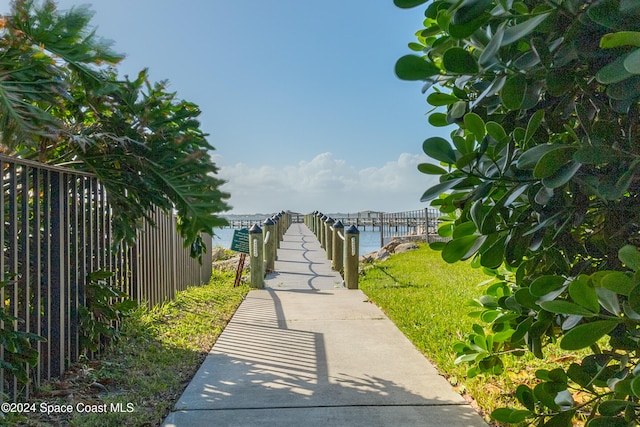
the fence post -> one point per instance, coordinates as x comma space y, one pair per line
323, 232
338, 246
316, 225
426, 225
56, 288
269, 237
351, 257
277, 229
328, 224
381, 229
307, 221
287, 221
255, 253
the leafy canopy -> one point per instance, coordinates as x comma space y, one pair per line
539, 183
62, 102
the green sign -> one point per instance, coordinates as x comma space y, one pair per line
240, 242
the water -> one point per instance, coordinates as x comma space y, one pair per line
369, 240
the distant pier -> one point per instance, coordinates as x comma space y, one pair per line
363, 220
422, 222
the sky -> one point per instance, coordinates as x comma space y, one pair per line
299, 98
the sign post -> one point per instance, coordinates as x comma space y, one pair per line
240, 243
239, 269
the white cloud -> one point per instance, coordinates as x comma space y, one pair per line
327, 184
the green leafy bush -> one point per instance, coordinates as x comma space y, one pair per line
16, 344
62, 102
539, 186
105, 308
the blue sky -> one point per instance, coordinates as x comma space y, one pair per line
298, 97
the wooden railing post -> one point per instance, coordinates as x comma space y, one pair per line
329, 232
351, 257
323, 232
270, 238
256, 257
282, 222
338, 246
316, 225
286, 222
277, 230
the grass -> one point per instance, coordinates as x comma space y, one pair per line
427, 299
161, 349
146, 371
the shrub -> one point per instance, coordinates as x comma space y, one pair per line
540, 187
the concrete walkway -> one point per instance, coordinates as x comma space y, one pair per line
305, 351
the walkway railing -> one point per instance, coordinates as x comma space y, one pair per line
410, 224
395, 225
341, 245
263, 244
56, 229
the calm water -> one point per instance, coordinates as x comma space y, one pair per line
369, 240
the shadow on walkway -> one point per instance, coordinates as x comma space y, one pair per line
262, 368
305, 351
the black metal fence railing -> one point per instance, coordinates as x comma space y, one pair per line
410, 224
246, 221
56, 229
161, 266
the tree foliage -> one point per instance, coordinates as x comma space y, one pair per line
62, 102
539, 183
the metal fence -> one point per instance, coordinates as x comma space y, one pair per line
56, 229
246, 221
162, 266
410, 224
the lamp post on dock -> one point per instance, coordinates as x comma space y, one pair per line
323, 231
256, 256
329, 240
316, 224
270, 244
338, 246
351, 257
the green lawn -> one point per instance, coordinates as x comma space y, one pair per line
427, 299
161, 349
147, 370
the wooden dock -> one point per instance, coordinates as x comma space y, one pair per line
363, 222
422, 222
